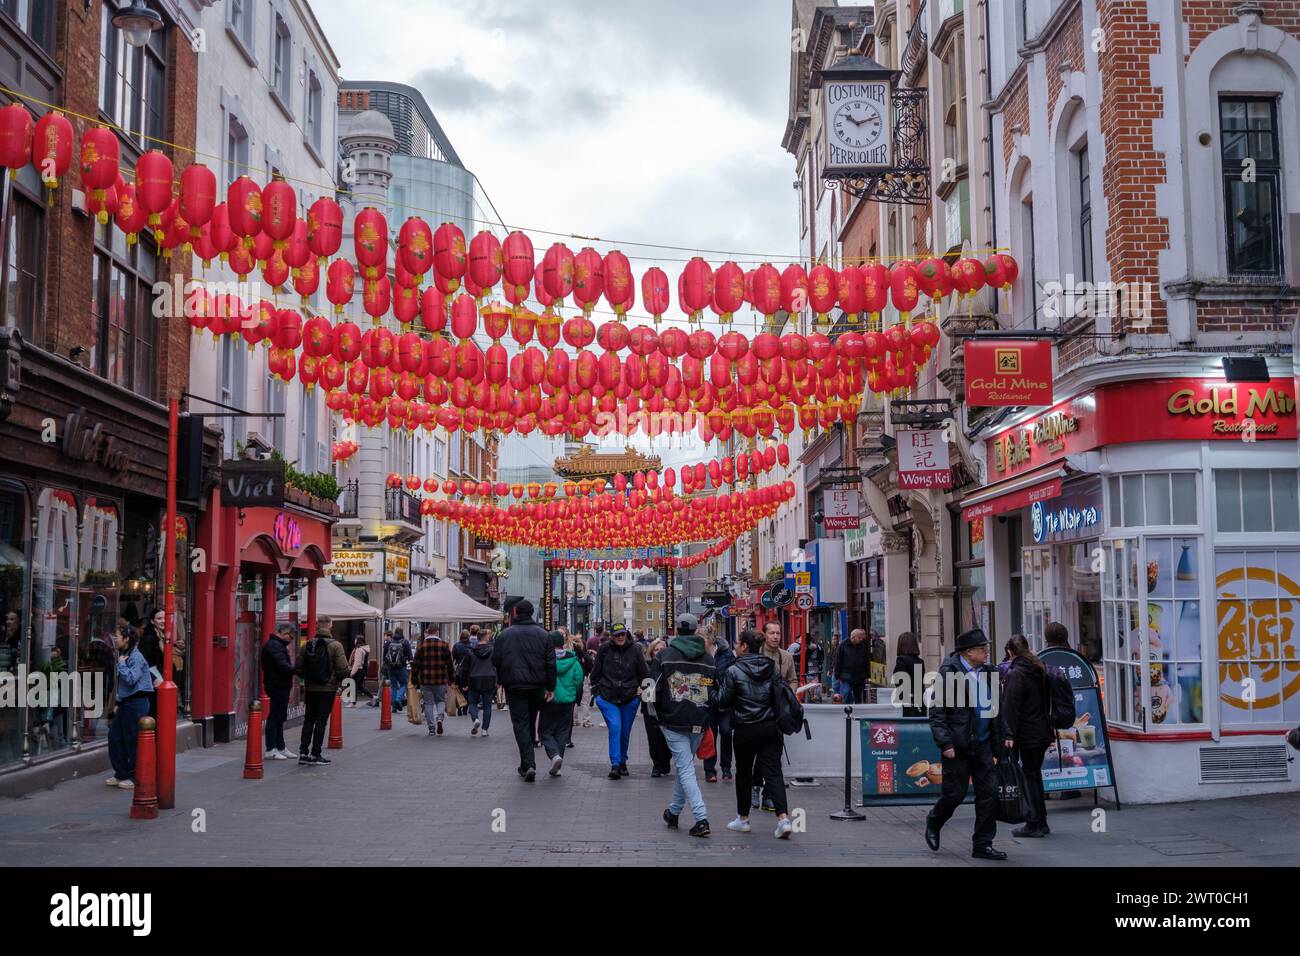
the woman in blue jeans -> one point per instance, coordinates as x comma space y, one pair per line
480, 674
134, 685
616, 681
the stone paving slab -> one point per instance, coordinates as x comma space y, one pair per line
433, 800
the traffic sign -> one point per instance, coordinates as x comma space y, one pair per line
804, 602
802, 582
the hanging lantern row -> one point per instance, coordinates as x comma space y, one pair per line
625, 564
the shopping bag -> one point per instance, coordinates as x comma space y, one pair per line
414, 704
1013, 792
707, 749
455, 700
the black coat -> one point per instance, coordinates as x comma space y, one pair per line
1025, 705
914, 667
686, 685
618, 672
151, 646
524, 657
747, 689
953, 725
476, 671
853, 662
277, 669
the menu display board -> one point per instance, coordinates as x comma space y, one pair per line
1082, 759
900, 762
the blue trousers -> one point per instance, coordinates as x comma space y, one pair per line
687, 789
397, 681
620, 718
123, 734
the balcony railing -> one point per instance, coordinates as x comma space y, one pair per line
914, 52
348, 500
401, 505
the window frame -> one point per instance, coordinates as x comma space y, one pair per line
1265, 170
22, 13
28, 260
281, 86
143, 95
139, 310
241, 20
1082, 177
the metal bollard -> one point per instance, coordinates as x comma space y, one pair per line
253, 751
144, 804
848, 813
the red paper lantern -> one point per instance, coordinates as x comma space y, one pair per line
968, 276
766, 291
153, 187
244, 205
223, 238
340, 284
654, 292
995, 272
129, 217
464, 317
449, 255
696, 287
518, 263
1011, 270
588, 279
370, 242
295, 252
376, 297
486, 261
16, 132
99, 160
794, 288
557, 271
415, 246
52, 148
933, 278
851, 290
103, 204
728, 290
620, 289
324, 228
822, 290
279, 211
903, 289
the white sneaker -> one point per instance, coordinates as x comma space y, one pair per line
587, 723
783, 829
556, 762
126, 785
113, 782
473, 731
739, 825
484, 733
271, 753
277, 755
285, 755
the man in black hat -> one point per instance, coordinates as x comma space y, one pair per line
966, 725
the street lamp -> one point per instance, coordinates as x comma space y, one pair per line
136, 23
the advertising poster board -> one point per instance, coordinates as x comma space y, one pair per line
1083, 761
901, 765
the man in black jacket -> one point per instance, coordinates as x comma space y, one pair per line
853, 665
967, 728
277, 679
686, 689
525, 661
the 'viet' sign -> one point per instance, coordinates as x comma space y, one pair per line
923, 459
1008, 372
247, 484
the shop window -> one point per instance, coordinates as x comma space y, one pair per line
1252, 203
1155, 499
1257, 597
133, 81
1120, 629
1257, 500
14, 533
22, 294
1036, 584
125, 349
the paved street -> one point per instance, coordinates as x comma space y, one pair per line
402, 797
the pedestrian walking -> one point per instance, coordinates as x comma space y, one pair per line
967, 728
723, 657
909, 675
762, 796
616, 679
432, 671
1026, 705
321, 666
397, 657
556, 725
459, 694
661, 758
525, 661
277, 681
153, 638
748, 693
579, 649
686, 690
479, 675
597, 637
1055, 634
853, 666
134, 683
357, 666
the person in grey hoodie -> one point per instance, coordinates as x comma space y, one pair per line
480, 676
685, 691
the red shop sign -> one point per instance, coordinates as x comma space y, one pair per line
1008, 372
1064, 429
1012, 501
1198, 410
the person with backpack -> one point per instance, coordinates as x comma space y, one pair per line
661, 758
616, 681
277, 680
357, 665
479, 675
397, 655
525, 661
556, 725
723, 657
431, 672
686, 689
1027, 725
966, 724
322, 665
748, 693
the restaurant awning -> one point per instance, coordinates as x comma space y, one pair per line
1014, 493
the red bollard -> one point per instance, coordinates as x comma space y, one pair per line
144, 805
386, 708
253, 752
336, 725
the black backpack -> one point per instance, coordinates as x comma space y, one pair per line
316, 662
395, 653
1060, 700
786, 706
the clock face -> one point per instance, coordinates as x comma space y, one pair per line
857, 124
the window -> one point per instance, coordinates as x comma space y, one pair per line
439, 457
35, 18
125, 347
236, 149
313, 107
310, 431
1257, 500
1153, 500
1120, 630
282, 63
956, 216
954, 102
133, 81
234, 379
240, 15
22, 304
1257, 597
1251, 185
1036, 583
1083, 178
439, 540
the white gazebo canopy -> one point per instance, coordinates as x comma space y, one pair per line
335, 603
444, 603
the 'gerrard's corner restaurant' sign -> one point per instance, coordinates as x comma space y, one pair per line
371, 567
1149, 410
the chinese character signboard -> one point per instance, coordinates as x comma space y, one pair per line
1007, 372
923, 459
900, 762
840, 509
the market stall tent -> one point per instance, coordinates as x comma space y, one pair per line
444, 603
335, 603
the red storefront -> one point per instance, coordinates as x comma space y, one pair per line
262, 565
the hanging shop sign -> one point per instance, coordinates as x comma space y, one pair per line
1081, 761
252, 484
397, 568
358, 567
863, 542
715, 599
1008, 372
923, 459
840, 509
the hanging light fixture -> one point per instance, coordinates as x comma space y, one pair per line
136, 23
